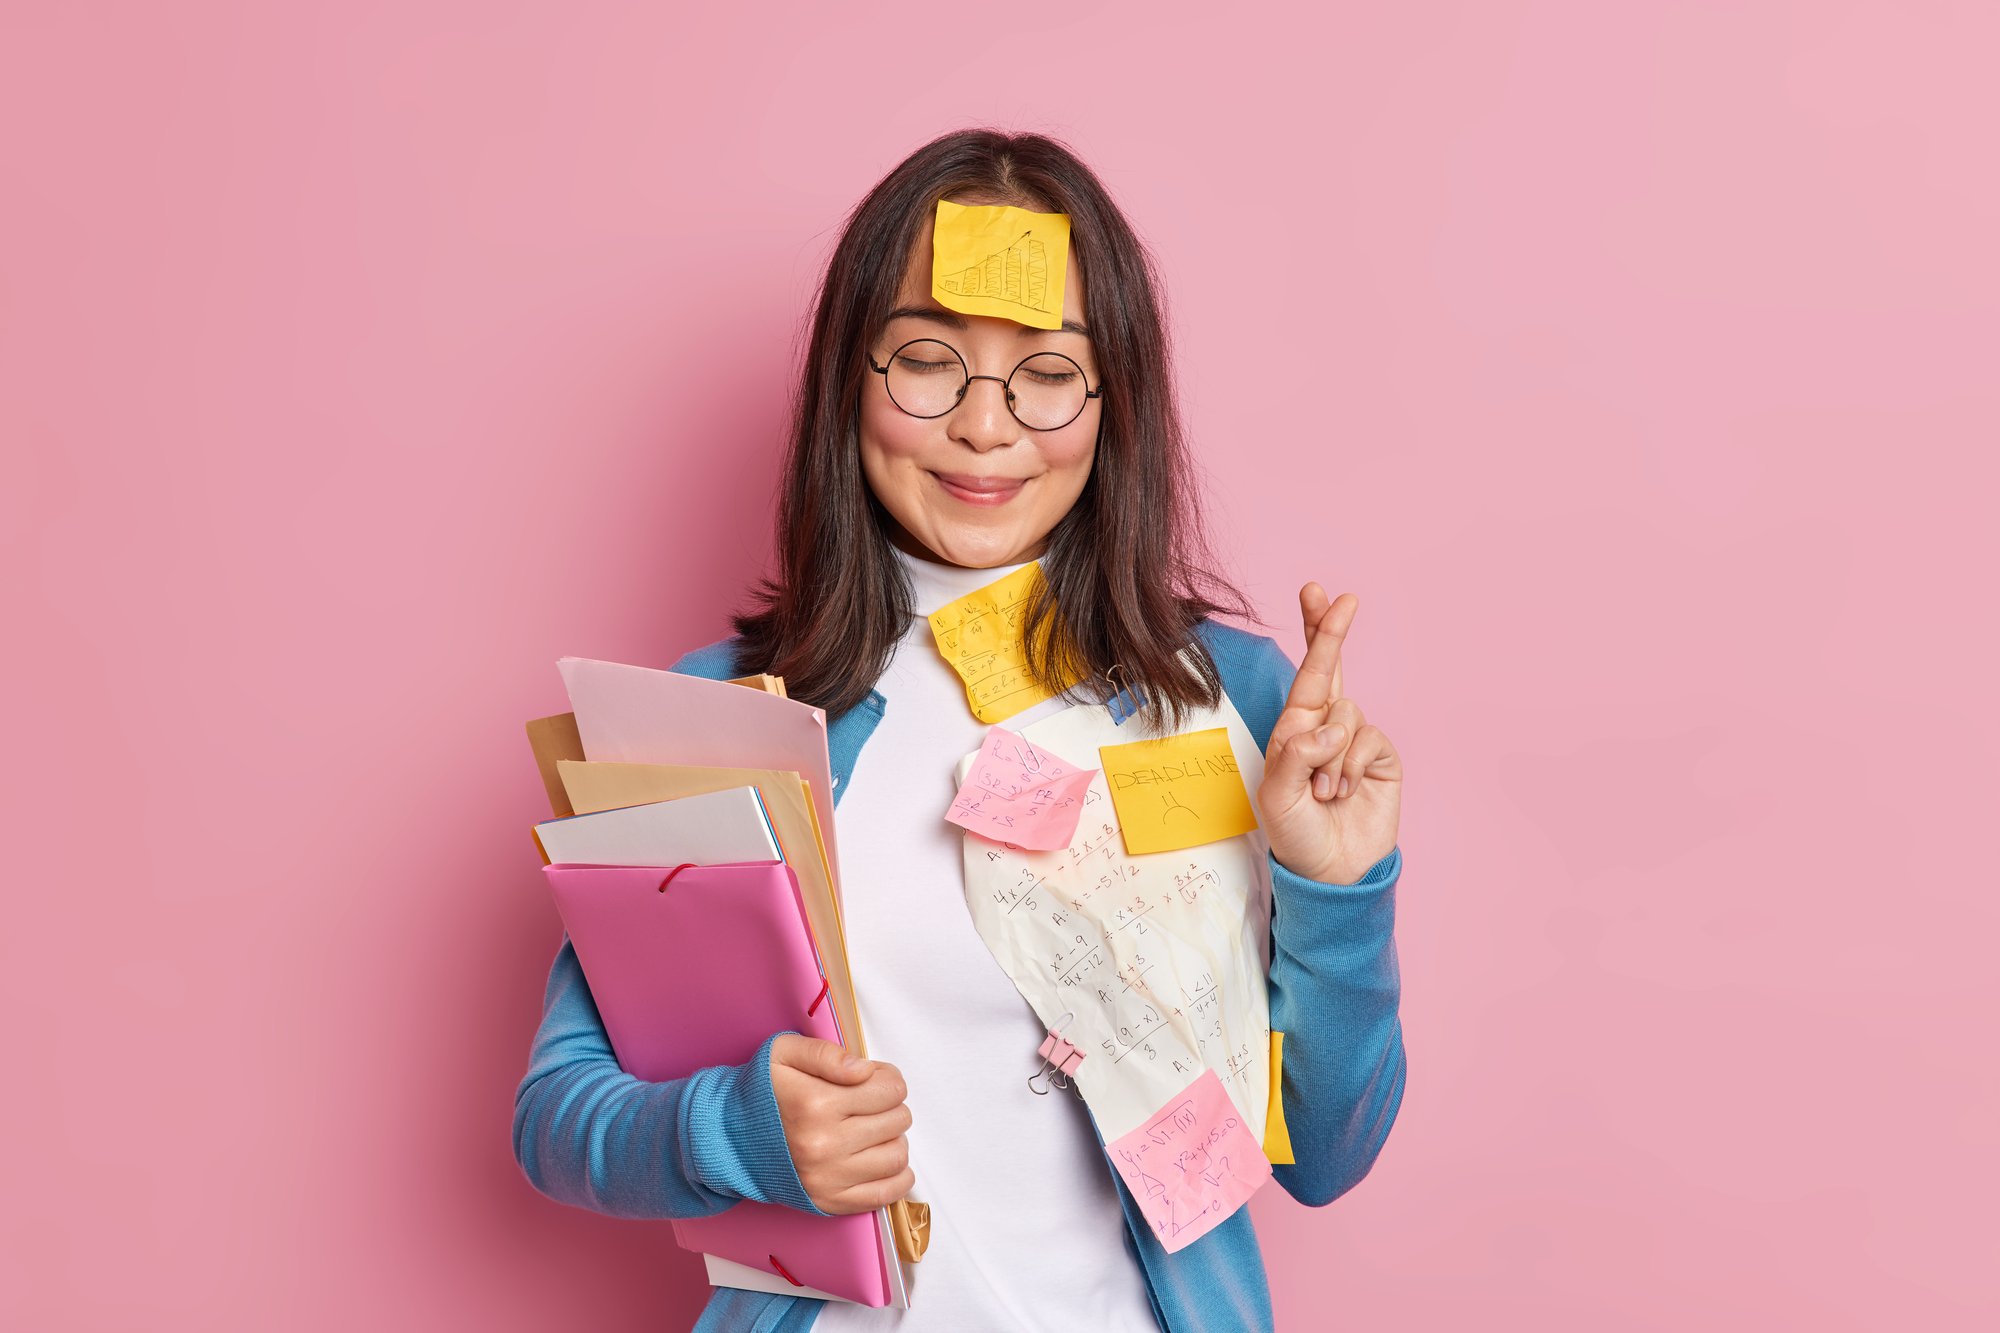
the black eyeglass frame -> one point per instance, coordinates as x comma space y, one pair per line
1006, 385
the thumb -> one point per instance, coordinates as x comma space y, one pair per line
822, 1059
1303, 752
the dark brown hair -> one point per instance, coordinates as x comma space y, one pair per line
1126, 574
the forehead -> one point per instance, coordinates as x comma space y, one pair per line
916, 288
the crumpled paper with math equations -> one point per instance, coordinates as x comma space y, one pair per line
1154, 965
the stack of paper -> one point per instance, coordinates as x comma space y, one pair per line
657, 769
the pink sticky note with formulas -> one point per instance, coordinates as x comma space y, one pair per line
1192, 1163
1021, 794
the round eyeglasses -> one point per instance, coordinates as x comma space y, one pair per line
928, 378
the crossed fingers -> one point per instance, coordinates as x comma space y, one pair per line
1318, 682
1315, 699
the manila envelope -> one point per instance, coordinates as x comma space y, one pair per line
555, 738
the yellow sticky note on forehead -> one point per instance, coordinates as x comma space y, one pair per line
980, 634
995, 259
1179, 791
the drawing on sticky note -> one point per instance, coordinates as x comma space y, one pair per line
982, 636
1019, 273
1177, 792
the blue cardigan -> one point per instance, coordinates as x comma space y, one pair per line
587, 1133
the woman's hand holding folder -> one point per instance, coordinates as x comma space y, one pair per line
844, 1122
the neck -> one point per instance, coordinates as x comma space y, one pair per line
935, 583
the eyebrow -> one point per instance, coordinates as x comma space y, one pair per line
952, 320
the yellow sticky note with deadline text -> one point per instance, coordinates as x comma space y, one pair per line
1179, 791
994, 259
980, 635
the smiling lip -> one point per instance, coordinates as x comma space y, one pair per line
981, 490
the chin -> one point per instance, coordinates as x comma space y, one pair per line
981, 552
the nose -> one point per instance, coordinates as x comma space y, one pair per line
982, 420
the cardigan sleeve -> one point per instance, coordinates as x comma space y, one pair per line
1335, 988
1335, 994
587, 1133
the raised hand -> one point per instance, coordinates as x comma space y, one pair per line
1333, 784
844, 1121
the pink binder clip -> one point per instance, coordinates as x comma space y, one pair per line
1060, 1054
1059, 1062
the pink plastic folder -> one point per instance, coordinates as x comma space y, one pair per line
697, 973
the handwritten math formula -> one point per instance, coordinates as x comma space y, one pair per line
982, 636
1191, 1163
1019, 793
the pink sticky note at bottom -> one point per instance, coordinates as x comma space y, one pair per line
1192, 1164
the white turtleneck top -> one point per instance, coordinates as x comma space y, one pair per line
1026, 1231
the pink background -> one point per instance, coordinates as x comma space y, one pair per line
1634, 363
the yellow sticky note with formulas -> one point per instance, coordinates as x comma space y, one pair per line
980, 634
1178, 791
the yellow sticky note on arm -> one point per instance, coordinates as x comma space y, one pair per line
1179, 791
1277, 1138
994, 259
980, 635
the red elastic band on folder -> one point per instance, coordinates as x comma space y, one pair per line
813, 1008
783, 1274
671, 873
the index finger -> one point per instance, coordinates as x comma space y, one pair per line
1318, 681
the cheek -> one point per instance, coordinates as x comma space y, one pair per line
892, 443
1070, 452
889, 435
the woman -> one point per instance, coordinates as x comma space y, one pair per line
899, 499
